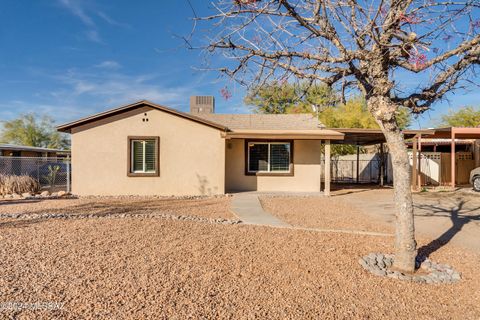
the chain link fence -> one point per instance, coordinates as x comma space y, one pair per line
53, 174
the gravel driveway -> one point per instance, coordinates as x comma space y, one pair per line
167, 269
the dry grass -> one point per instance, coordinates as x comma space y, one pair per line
10, 184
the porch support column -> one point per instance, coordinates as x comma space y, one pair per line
321, 165
414, 163
327, 168
382, 165
452, 159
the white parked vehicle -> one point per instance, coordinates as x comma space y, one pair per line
475, 179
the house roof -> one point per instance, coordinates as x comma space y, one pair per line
67, 127
224, 122
301, 121
14, 147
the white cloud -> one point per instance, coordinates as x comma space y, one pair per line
109, 64
76, 9
110, 20
93, 36
104, 87
86, 14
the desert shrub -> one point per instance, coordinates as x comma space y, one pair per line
10, 184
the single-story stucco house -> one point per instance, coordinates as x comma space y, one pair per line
148, 149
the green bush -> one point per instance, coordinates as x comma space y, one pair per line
10, 184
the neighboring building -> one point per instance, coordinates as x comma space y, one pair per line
147, 149
11, 150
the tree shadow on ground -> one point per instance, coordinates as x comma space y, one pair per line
458, 215
20, 223
36, 200
105, 208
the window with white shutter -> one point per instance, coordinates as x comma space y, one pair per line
272, 157
143, 155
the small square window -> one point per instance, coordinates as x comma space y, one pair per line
143, 156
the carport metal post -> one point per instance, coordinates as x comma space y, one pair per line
419, 172
414, 163
452, 159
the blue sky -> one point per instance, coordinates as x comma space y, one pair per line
71, 58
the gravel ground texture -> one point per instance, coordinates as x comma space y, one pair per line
321, 212
146, 268
208, 207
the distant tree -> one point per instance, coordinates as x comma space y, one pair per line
33, 130
354, 114
284, 97
465, 117
277, 98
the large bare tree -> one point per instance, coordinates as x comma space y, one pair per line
397, 53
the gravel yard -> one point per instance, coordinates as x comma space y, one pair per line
321, 212
202, 207
154, 268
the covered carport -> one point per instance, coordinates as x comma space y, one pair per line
368, 137
454, 134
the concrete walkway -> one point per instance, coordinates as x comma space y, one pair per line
248, 208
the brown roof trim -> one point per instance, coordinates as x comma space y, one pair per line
306, 134
364, 130
102, 115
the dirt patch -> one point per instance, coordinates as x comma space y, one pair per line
217, 207
321, 212
147, 268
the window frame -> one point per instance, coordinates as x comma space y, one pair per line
290, 172
130, 172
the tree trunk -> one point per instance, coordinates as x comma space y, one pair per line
384, 112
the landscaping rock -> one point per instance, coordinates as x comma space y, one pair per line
61, 193
45, 194
379, 264
16, 196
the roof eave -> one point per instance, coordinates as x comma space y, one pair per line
105, 114
284, 134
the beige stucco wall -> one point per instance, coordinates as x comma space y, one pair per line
306, 176
192, 156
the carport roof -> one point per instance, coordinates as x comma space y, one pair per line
456, 132
363, 137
